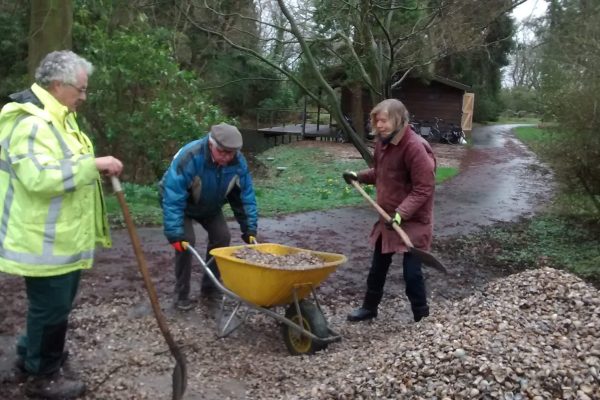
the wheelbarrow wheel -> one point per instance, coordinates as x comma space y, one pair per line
313, 321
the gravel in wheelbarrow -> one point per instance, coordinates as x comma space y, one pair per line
296, 261
268, 285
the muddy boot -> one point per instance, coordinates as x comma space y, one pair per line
16, 374
209, 293
54, 386
420, 312
21, 373
184, 304
368, 309
70, 368
361, 314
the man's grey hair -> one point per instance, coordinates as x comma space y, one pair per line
212, 140
62, 66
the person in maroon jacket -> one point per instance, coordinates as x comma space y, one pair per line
404, 177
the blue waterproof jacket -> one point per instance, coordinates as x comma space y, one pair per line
195, 187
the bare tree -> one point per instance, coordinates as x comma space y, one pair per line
524, 70
370, 44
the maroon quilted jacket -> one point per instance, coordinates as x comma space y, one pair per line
404, 177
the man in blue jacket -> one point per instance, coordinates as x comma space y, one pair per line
203, 176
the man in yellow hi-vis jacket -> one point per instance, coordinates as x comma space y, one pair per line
52, 212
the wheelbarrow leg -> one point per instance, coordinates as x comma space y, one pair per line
231, 323
337, 337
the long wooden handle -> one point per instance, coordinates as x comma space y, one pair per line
426, 257
139, 255
385, 215
180, 382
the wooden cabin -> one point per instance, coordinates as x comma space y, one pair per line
440, 97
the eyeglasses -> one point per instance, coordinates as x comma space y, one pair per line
82, 90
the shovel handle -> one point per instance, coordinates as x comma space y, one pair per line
139, 255
385, 215
180, 372
116, 184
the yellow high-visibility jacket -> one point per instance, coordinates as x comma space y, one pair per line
52, 212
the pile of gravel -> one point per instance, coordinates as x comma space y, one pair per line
531, 335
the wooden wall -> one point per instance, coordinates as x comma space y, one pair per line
424, 102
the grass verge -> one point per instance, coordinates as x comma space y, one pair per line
293, 180
548, 239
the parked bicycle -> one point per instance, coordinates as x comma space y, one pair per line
415, 125
431, 132
453, 135
435, 133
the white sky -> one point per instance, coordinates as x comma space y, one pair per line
531, 8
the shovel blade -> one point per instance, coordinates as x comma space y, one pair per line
429, 259
179, 380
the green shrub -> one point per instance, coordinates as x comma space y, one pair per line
13, 47
141, 107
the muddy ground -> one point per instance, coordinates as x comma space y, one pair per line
500, 181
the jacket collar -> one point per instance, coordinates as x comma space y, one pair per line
51, 105
396, 139
397, 136
26, 96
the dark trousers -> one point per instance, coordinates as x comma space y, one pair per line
413, 278
50, 302
218, 236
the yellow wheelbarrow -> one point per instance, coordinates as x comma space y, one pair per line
262, 287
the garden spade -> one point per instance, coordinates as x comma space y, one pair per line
180, 371
426, 257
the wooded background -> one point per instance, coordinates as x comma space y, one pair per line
167, 70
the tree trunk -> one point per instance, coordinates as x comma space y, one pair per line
357, 114
50, 29
332, 101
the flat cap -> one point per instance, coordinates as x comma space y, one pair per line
228, 137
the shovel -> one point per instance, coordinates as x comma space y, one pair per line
426, 257
180, 371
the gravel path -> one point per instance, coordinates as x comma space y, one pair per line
533, 335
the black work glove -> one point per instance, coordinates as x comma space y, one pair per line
350, 176
249, 237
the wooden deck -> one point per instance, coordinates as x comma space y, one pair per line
310, 131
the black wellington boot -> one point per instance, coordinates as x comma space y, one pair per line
420, 312
368, 309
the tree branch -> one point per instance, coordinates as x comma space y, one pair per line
256, 55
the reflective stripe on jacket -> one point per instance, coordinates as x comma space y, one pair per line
52, 211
